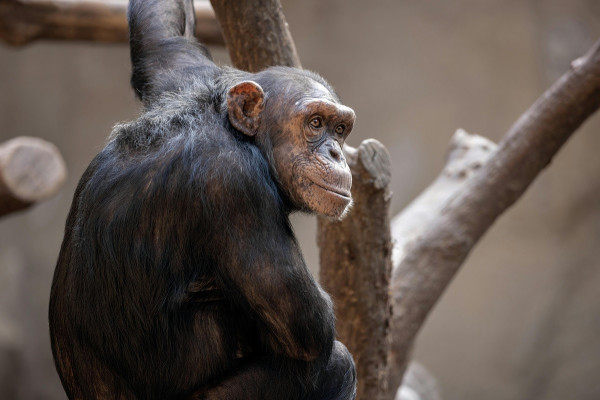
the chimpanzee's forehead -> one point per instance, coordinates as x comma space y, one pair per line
319, 91
294, 84
306, 89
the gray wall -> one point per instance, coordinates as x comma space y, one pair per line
520, 321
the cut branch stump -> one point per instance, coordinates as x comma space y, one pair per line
31, 170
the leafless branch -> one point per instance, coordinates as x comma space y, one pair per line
426, 265
256, 34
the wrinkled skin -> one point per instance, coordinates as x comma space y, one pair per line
306, 143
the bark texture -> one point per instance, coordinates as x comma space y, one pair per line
24, 21
355, 258
31, 170
256, 34
428, 263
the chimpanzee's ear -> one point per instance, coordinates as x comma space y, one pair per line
245, 102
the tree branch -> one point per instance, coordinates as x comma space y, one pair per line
31, 170
256, 34
356, 267
427, 264
24, 21
467, 153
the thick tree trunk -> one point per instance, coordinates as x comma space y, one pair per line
31, 170
24, 21
356, 267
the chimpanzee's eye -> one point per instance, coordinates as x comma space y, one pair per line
316, 122
339, 130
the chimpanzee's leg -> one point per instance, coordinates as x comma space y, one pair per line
260, 380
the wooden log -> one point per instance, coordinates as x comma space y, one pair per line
24, 21
31, 170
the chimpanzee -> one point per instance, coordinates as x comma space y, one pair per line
179, 276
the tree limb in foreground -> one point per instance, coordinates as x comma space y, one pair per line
24, 21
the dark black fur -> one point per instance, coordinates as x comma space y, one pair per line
179, 275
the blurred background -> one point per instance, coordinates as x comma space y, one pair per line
520, 321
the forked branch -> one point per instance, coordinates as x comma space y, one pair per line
428, 264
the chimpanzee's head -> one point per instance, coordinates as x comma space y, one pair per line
300, 125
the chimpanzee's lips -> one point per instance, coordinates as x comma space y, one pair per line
335, 190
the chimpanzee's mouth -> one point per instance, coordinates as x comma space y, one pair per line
335, 190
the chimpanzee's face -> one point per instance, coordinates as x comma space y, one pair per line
306, 128
308, 153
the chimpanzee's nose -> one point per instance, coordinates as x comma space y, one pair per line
335, 153
332, 151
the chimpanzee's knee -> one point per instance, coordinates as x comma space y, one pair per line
338, 381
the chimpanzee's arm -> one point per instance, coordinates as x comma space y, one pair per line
264, 265
164, 52
260, 263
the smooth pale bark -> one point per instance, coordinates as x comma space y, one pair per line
427, 264
467, 153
